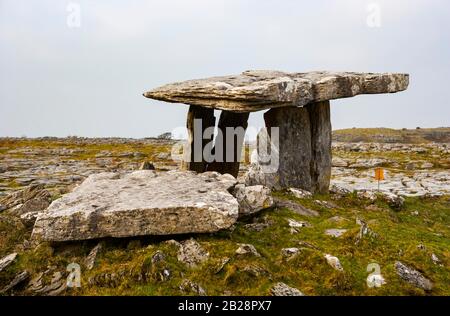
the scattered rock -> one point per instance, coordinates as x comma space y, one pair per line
146, 165
20, 197
252, 199
256, 227
295, 207
334, 262
295, 224
158, 257
90, 260
435, 259
18, 279
56, 286
187, 286
290, 253
6, 261
427, 165
254, 270
338, 190
247, 249
338, 162
300, 193
140, 203
413, 277
192, 253
394, 201
282, 289
368, 163
222, 264
326, 204
364, 230
415, 213
334, 232
366, 194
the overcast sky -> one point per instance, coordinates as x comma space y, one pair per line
57, 79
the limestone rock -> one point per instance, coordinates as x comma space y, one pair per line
334, 232
189, 287
6, 261
364, 230
192, 253
320, 120
247, 249
34, 191
143, 202
90, 260
18, 279
413, 276
299, 193
335, 189
295, 207
296, 224
394, 200
338, 162
290, 253
292, 139
282, 289
256, 90
334, 262
252, 199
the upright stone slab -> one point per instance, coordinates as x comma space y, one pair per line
194, 159
319, 117
228, 144
294, 145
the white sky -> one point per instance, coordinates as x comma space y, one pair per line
88, 80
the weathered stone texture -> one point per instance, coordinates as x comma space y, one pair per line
143, 202
256, 90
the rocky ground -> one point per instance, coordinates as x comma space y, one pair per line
304, 245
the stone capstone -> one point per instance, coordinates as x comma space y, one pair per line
256, 90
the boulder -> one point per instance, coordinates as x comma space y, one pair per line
6, 261
18, 279
334, 262
192, 253
252, 199
282, 289
335, 232
413, 276
143, 202
247, 249
299, 193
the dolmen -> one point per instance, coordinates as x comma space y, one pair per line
205, 195
298, 107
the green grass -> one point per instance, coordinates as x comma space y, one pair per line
399, 234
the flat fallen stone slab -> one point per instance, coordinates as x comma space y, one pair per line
143, 202
256, 90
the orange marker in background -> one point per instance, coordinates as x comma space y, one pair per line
379, 175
